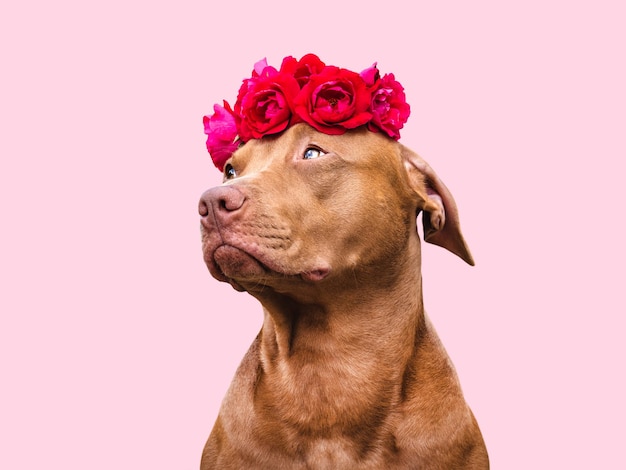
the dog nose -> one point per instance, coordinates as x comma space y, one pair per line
222, 200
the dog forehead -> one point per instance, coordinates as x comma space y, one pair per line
273, 144
284, 141
358, 148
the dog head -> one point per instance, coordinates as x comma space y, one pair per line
304, 208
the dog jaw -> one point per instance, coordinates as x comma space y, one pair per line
234, 262
246, 260
234, 265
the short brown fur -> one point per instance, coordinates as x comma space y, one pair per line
347, 371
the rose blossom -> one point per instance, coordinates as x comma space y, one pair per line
302, 69
265, 102
333, 101
328, 98
370, 75
389, 107
259, 67
221, 131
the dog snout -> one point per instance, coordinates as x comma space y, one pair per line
222, 201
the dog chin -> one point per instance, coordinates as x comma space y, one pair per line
236, 263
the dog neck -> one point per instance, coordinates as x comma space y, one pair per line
351, 363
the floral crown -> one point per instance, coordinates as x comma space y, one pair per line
329, 98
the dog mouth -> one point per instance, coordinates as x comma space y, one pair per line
235, 265
234, 262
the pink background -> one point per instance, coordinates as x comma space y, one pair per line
116, 345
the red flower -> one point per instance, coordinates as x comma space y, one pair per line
221, 129
328, 98
265, 103
334, 100
389, 107
302, 69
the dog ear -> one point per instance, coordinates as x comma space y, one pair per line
441, 217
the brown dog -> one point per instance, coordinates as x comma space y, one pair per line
347, 371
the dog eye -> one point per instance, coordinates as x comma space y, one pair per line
229, 171
312, 152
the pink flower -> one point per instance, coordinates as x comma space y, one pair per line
333, 101
370, 75
259, 67
389, 107
221, 129
264, 103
